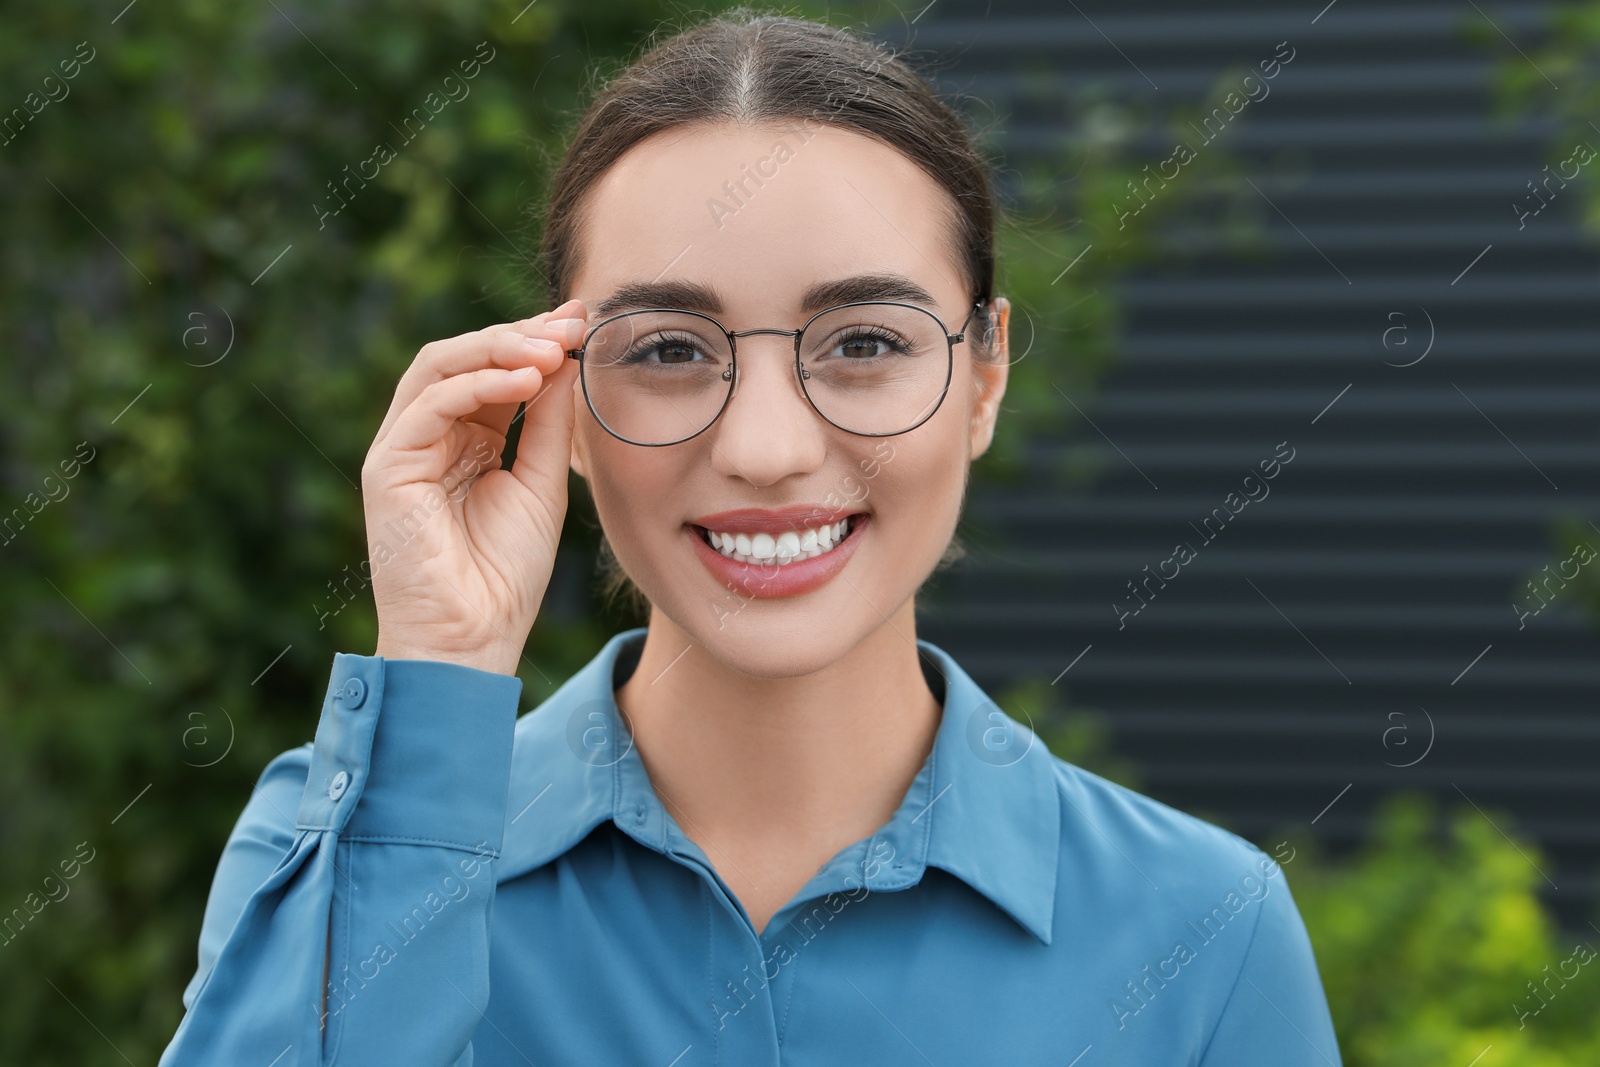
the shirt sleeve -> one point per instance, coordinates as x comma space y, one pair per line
372, 848
1277, 1014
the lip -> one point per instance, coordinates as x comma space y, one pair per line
772, 581
775, 520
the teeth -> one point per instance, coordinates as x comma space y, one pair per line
785, 547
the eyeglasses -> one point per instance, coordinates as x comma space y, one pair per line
661, 376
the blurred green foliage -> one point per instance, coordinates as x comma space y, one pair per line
1570, 581
1559, 79
1432, 944
198, 351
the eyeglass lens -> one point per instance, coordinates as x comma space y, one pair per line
659, 377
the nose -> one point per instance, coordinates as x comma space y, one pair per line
768, 430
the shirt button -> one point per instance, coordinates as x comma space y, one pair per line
340, 783
355, 692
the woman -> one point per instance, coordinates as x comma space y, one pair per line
772, 826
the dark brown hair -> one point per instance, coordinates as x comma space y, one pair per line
755, 68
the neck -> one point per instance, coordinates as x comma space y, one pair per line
810, 763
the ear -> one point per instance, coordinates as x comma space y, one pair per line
989, 379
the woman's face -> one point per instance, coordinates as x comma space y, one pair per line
830, 205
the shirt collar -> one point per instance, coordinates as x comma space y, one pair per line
983, 807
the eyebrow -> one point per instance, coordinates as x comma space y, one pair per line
693, 296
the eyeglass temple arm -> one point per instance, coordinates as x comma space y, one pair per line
958, 337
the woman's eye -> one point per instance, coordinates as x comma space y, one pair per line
867, 346
861, 347
665, 352
674, 352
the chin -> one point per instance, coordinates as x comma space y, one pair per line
768, 645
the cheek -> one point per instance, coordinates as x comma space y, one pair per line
613, 478
637, 493
917, 494
923, 479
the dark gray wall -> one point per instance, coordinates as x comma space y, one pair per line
1260, 682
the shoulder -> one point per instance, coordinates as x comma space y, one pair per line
1150, 894
1114, 837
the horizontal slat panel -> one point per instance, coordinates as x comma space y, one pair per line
1407, 523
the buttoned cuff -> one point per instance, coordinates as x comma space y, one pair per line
414, 751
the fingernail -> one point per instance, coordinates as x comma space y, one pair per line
540, 344
562, 324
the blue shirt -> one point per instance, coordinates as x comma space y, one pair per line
502, 891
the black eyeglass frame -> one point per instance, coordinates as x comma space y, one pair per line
731, 374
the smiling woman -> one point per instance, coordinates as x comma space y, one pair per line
673, 829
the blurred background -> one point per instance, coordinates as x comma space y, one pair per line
1352, 245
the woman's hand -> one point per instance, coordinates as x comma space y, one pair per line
461, 550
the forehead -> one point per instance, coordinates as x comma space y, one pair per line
761, 214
